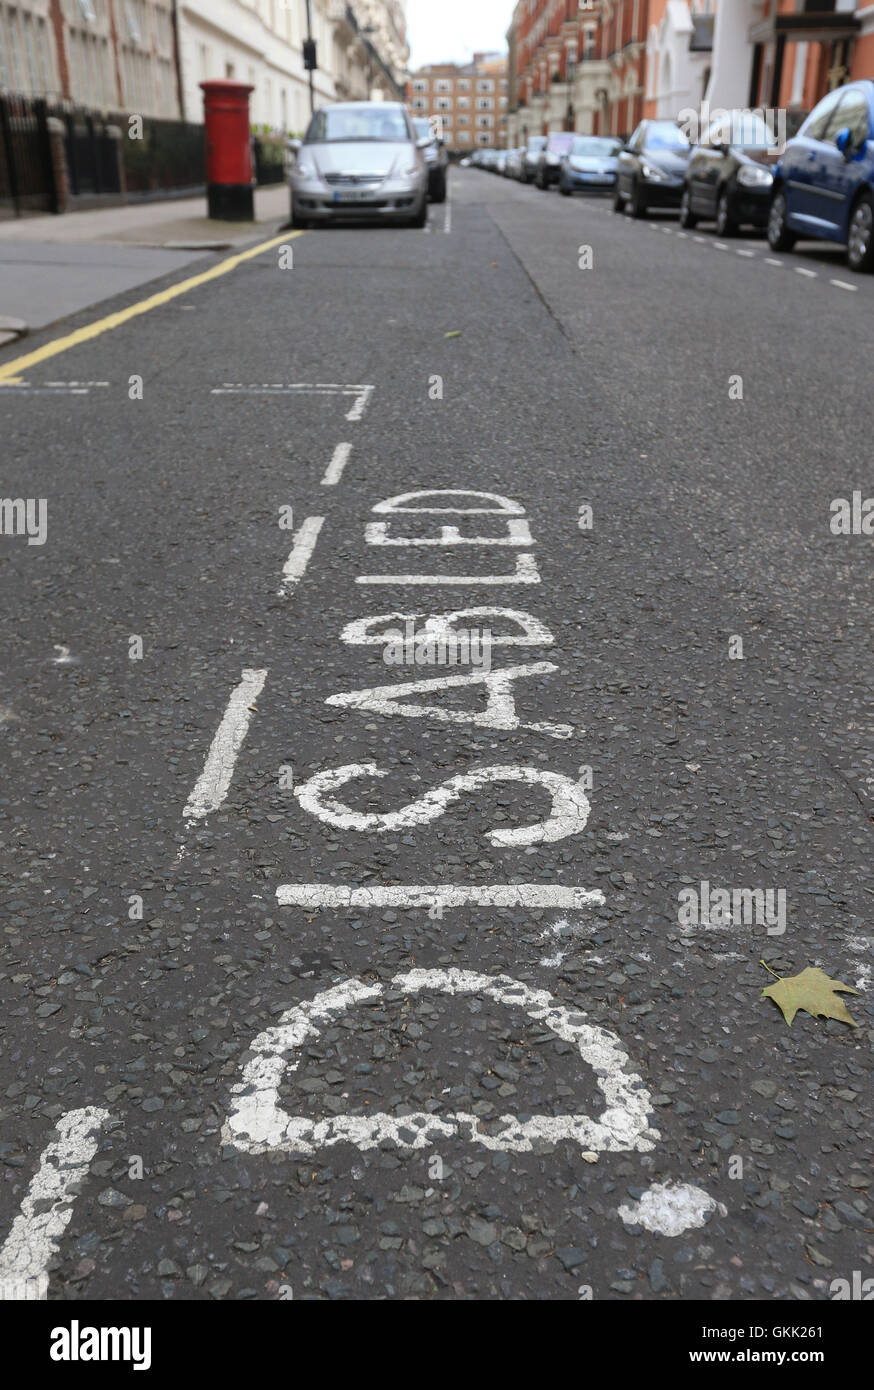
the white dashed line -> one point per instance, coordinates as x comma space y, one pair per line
335, 468
769, 260
425, 895
721, 246
301, 552
36, 1232
749, 254
447, 225
802, 270
701, 240
213, 783
843, 285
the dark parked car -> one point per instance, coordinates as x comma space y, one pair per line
730, 174
436, 159
549, 163
589, 165
536, 143
652, 168
824, 183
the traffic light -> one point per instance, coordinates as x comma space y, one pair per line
309, 55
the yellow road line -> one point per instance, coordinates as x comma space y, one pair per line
10, 372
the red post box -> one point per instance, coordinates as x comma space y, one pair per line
229, 183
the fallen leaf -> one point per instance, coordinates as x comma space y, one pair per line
812, 991
456, 333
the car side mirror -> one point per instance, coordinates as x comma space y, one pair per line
425, 141
295, 146
844, 142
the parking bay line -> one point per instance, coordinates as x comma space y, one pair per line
214, 782
10, 371
334, 471
301, 553
488, 895
45, 1212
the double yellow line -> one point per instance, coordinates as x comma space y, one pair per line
10, 372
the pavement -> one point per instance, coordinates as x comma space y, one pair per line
51, 267
336, 979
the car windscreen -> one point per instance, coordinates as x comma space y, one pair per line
423, 127
666, 137
596, 148
357, 123
538, 142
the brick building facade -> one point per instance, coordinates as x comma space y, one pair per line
469, 100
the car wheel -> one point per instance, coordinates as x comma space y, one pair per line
618, 201
438, 189
725, 223
780, 238
687, 216
638, 202
421, 218
860, 243
538, 179
563, 188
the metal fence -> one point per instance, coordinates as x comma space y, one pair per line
168, 156
27, 182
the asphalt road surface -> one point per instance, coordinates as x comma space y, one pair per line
234, 1064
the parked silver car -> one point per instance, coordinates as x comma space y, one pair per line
360, 160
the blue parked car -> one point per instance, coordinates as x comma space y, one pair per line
590, 164
824, 183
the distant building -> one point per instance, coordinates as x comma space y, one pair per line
469, 100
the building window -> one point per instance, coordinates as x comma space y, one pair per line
484, 103
443, 86
485, 85
420, 86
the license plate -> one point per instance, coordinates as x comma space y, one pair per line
351, 197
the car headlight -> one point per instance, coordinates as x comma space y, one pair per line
411, 172
305, 170
754, 176
649, 171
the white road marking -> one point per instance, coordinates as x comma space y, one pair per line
702, 240
843, 285
213, 783
526, 573
361, 393
721, 246
257, 1124
749, 254
670, 1209
36, 1232
769, 260
802, 270
683, 235
499, 712
398, 503
568, 815
301, 552
334, 471
487, 895
518, 533
447, 224
442, 627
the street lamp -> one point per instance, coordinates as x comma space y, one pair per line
309, 55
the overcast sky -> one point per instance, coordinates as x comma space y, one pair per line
453, 30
